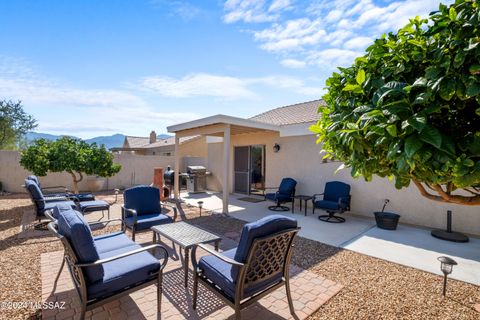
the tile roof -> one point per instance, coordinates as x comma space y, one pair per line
168, 141
136, 142
293, 114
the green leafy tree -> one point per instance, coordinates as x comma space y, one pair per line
71, 155
14, 124
409, 109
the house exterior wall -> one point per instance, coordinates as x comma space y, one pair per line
299, 158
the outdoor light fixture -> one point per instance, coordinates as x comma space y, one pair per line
446, 265
116, 194
276, 147
200, 205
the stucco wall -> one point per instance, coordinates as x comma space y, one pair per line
299, 158
136, 169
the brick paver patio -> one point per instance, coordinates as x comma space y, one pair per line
309, 292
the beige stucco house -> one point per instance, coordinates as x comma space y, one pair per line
244, 155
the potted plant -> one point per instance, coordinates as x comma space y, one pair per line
386, 220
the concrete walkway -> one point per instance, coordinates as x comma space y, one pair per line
415, 247
408, 245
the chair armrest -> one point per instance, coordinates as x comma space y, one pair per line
316, 195
48, 214
104, 222
56, 198
56, 187
343, 202
126, 254
266, 188
132, 211
215, 253
175, 211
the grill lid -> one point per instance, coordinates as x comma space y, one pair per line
196, 169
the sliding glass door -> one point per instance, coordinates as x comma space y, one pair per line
249, 169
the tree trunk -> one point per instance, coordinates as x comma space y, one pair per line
76, 180
445, 196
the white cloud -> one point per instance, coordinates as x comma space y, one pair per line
358, 43
278, 5
323, 32
199, 84
293, 63
219, 86
330, 58
254, 11
80, 110
293, 35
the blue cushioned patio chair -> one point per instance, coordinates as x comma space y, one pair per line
43, 203
142, 209
336, 199
107, 267
284, 194
259, 265
59, 208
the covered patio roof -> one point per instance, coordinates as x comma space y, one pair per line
220, 126
214, 125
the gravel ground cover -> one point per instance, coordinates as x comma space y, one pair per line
373, 288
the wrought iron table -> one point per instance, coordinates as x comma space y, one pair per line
186, 236
305, 199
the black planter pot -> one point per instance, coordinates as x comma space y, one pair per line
387, 220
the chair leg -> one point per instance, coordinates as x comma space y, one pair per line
238, 313
159, 293
195, 289
82, 311
133, 233
293, 204
289, 296
58, 275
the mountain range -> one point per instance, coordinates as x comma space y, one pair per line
115, 140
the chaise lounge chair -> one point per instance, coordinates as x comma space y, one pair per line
61, 191
285, 193
336, 199
258, 266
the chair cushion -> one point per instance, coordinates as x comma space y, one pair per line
60, 207
34, 179
220, 273
36, 194
147, 221
287, 186
81, 197
65, 204
144, 199
266, 226
123, 273
335, 190
72, 225
327, 205
278, 197
95, 205
112, 241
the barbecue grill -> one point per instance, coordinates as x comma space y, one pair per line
196, 179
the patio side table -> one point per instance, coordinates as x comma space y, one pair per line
186, 236
305, 199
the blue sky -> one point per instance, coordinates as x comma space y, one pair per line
89, 68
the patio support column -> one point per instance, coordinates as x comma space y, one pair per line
226, 167
176, 177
